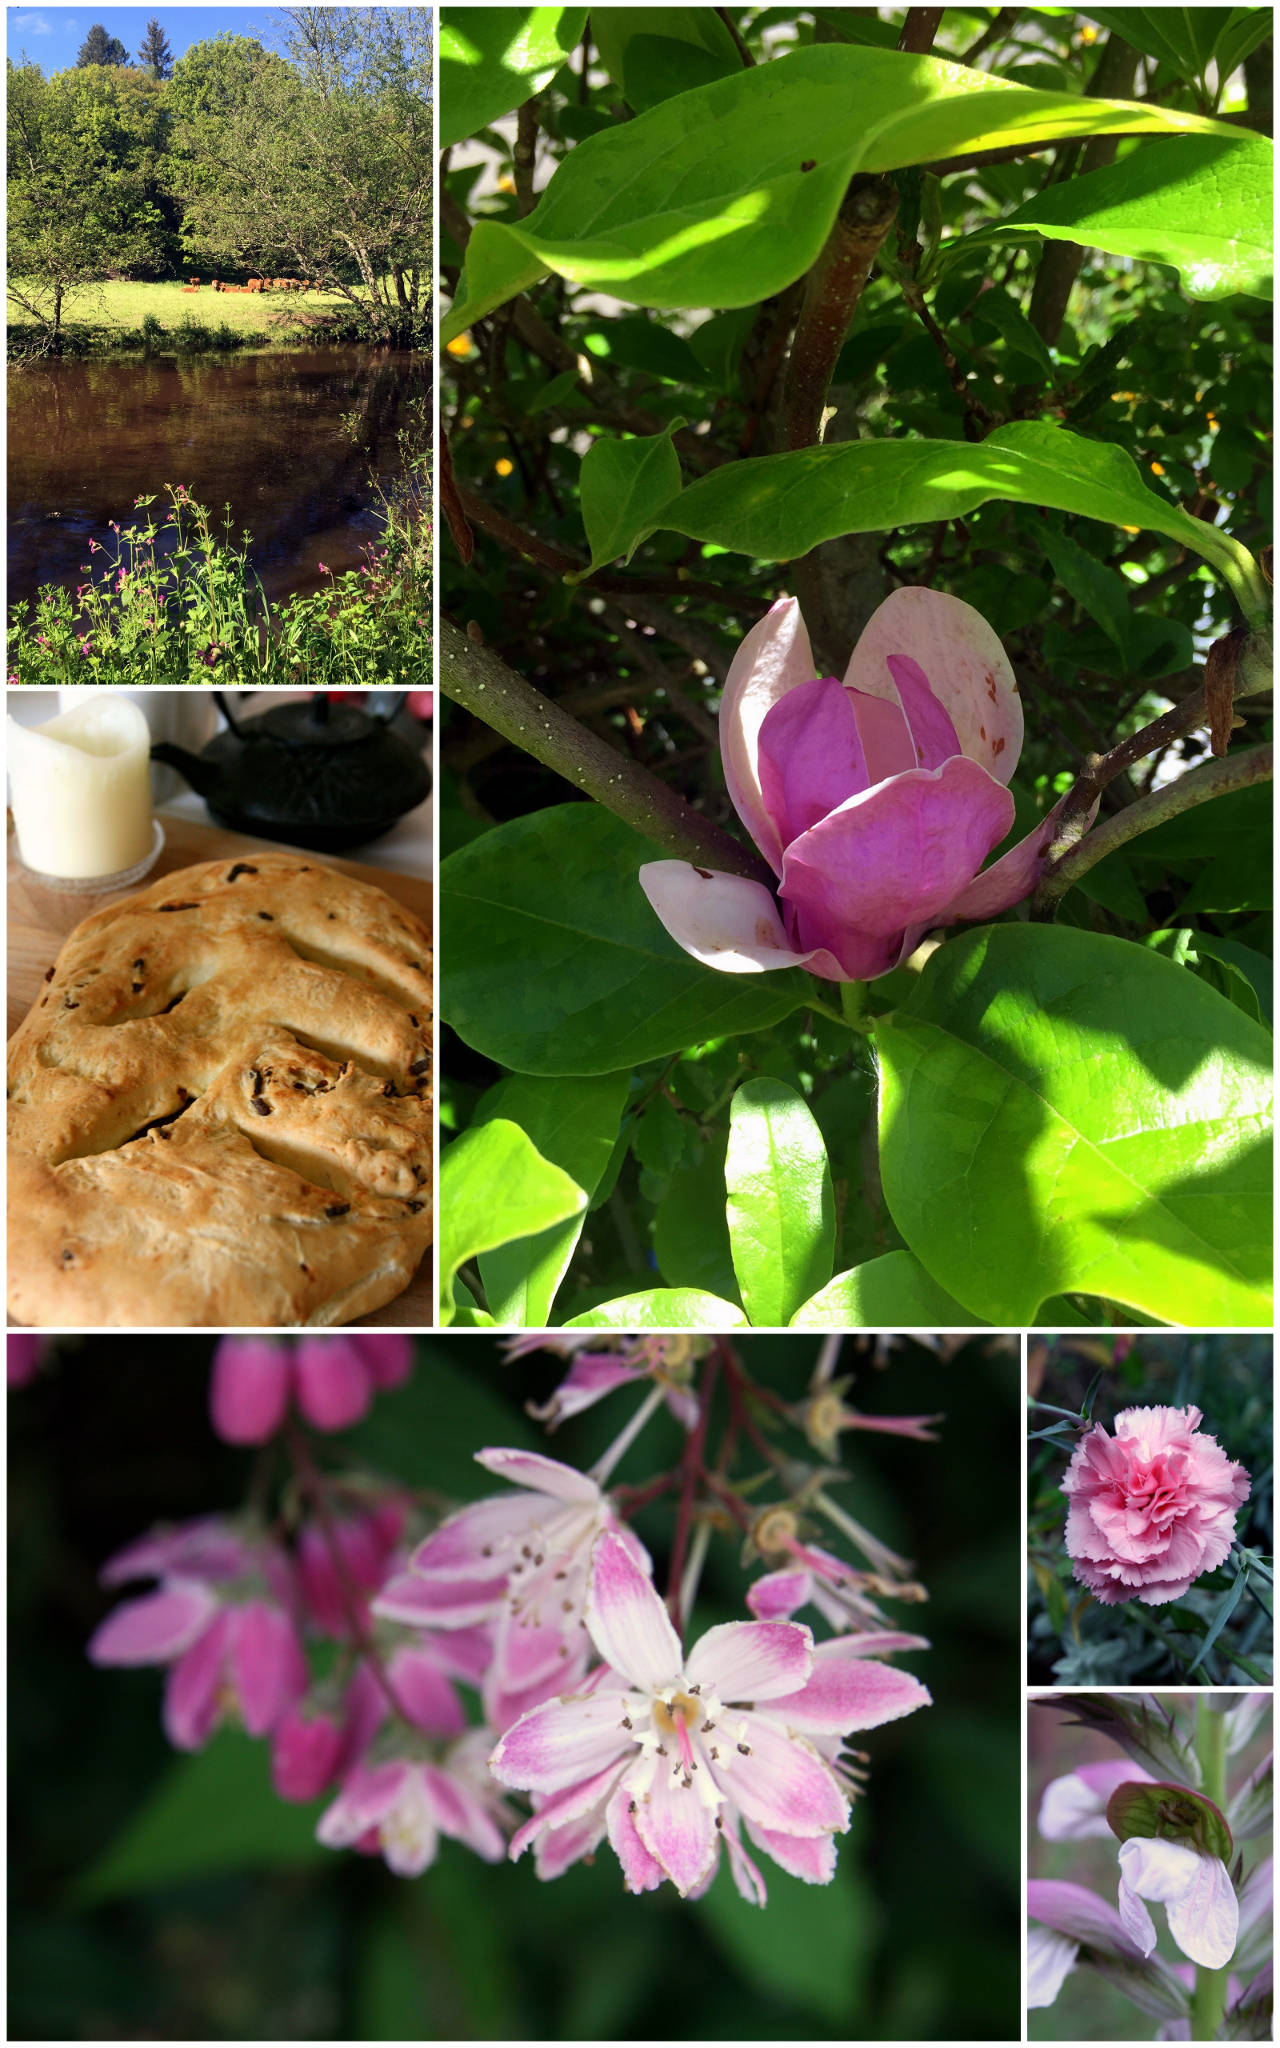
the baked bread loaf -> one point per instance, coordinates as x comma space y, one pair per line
220, 1107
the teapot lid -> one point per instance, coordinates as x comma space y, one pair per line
318, 721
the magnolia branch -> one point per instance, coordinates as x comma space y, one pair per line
475, 677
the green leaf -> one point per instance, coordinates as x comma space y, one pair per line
777, 507
893, 1290
553, 963
690, 1229
1200, 203
214, 1811
494, 1186
663, 1308
653, 52
1062, 1113
781, 1209
1002, 312
624, 484
495, 58
724, 195
1198, 952
1101, 594
573, 1123
1187, 37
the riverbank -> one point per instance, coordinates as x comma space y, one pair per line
128, 319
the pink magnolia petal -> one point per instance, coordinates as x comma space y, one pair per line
1010, 878
249, 1390
193, 1691
364, 1802
933, 737
156, 1628
628, 1623
774, 659
968, 670
885, 735
332, 1382
811, 1858
897, 856
782, 1784
726, 921
640, 1872
810, 757
542, 1475
752, 1660
561, 1743
777, 1595
267, 1665
677, 1829
425, 1694
844, 1696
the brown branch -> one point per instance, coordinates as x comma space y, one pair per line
831, 294
1198, 786
475, 677
919, 29
748, 60
523, 155
1060, 262
1000, 26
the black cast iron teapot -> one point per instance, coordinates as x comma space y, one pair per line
318, 772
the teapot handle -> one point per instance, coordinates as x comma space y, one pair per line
392, 708
220, 699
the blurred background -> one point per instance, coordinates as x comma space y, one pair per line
158, 1896
1087, 2008
1073, 1639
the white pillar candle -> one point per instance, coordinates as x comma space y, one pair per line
80, 787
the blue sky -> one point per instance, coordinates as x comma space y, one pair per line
50, 36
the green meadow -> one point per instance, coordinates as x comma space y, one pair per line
104, 318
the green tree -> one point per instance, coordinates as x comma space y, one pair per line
82, 153
154, 54
321, 166
100, 48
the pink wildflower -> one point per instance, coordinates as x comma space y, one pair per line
1195, 1889
399, 1808
598, 1369
519, 1562
665, 1753
23, 1359
1152, 1507
875, 800
1075, 1807
331, 1379
365, 1544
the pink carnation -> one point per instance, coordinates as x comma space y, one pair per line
1152, 1507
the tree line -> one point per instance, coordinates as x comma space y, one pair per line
313, 163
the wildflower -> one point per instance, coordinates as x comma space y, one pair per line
875, 800
1152, 1507
332, 1380
400, 1806
1075, 1807
1196, 1891
603, 1363
520, 1562
1072, 1919
658, 1751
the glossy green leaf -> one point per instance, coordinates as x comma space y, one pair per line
781, 1209
663, 1308
777, 507
553, 963
623, 487
893, 1291
1200, 203
1063, 1112
573, 1123
724, 195
1187, 37
690, 1229
494, 1186
495, 58
1101, 594
653, 52
212, 1812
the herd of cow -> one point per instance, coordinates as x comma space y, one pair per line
262, 284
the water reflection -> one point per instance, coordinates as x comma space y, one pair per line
261, 432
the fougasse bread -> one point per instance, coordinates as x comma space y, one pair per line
220, 1107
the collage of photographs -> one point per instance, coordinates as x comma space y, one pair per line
639, 939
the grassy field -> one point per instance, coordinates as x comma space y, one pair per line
104, 315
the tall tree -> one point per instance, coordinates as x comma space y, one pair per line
155, 55
100, 48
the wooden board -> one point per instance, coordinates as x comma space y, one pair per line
40, 919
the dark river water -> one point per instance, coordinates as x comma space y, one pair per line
263, 433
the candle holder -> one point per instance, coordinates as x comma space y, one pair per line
98, 885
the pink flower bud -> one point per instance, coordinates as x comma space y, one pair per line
388, 1359
332, 1380
249, 1392
306, 1750
24, 1357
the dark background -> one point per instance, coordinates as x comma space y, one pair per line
154, 1896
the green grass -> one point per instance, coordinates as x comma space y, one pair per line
111, 315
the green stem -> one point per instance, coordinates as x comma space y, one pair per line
1209, 1999
1198, 786
854, 1000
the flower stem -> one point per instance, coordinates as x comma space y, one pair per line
626, 1437
853, 1006
1209, 1998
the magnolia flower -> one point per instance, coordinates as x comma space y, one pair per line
332, 1380
665, 1753
874, 800
400, 1806
1196, 1891
1152, 1508
519, 1561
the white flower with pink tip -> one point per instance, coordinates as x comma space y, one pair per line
665, 1753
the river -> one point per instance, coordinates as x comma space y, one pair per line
262, 432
